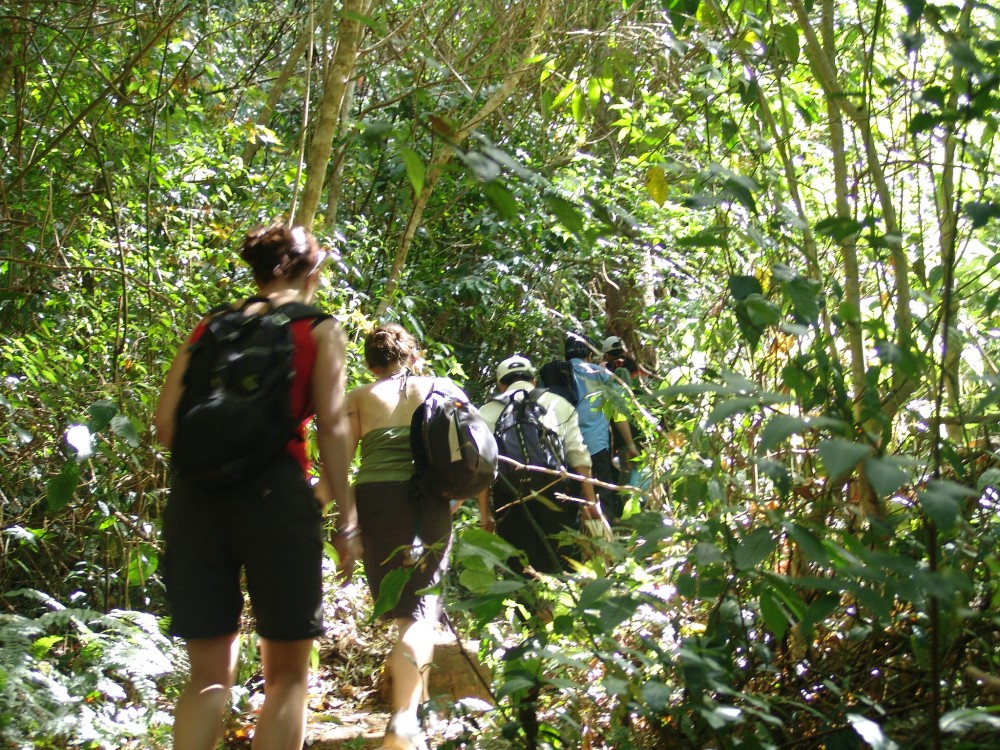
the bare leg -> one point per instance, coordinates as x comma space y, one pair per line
282, 721
408, 663
198, 715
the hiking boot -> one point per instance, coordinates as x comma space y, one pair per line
403, 733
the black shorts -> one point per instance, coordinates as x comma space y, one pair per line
270, 527
390, 518
532, 527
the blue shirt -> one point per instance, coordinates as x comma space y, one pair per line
591, 381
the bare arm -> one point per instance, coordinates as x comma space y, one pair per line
626, 432
591, 508
332, 429
170, 396
486, 521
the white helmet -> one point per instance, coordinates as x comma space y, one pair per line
518, 364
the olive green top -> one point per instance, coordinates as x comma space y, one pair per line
385, 456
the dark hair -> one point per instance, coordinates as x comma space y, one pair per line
279, 251
515, 375
578, 346
389, 344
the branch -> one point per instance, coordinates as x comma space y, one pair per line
110, 88
444, 155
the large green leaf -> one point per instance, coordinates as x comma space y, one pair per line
125, 428
729, 407
774, 616
415, 168
101, 414
886, 475
390, 591
59, 490
778, 428
942, 502
754, 548
841, 456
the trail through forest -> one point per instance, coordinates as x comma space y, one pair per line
349, 697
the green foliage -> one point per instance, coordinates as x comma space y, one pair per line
73, 677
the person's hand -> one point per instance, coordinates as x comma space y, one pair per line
347, 544
631, 452
487, 522
594, 524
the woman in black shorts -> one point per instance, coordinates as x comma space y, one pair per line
396, 529
268, 525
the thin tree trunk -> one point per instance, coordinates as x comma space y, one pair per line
826, 73
349, 35
278, 87
334, 180
446, 150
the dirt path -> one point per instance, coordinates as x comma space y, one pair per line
347, 691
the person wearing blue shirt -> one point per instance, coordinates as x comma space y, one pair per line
592, 381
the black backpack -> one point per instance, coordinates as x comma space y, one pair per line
558, 376
235, 414
454, 452
522, 436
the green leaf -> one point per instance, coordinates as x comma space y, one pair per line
787, 39
656, 695
942, 502
810, 544
143, 562
390, 591
885, 475
740, 189
761, 310
841, 456
804, 294
501, 199
838, 228
568, 214
41, 647
778, 428
615, 610
981, 213
59, 490
124, 428
871, 732
742, 287
914, 9
962, 720
774, 616
594, 591
101, 414
415, 169
754, 548
712, 237
732, 406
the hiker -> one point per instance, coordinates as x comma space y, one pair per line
591, 382
265, 520
398, 526
528, 524
625, 470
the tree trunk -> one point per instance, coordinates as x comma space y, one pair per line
349, 35
278, 87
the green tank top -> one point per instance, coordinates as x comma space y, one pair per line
385, 456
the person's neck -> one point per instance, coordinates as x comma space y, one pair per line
391, 372
279, 292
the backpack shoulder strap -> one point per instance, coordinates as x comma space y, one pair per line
535, 393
